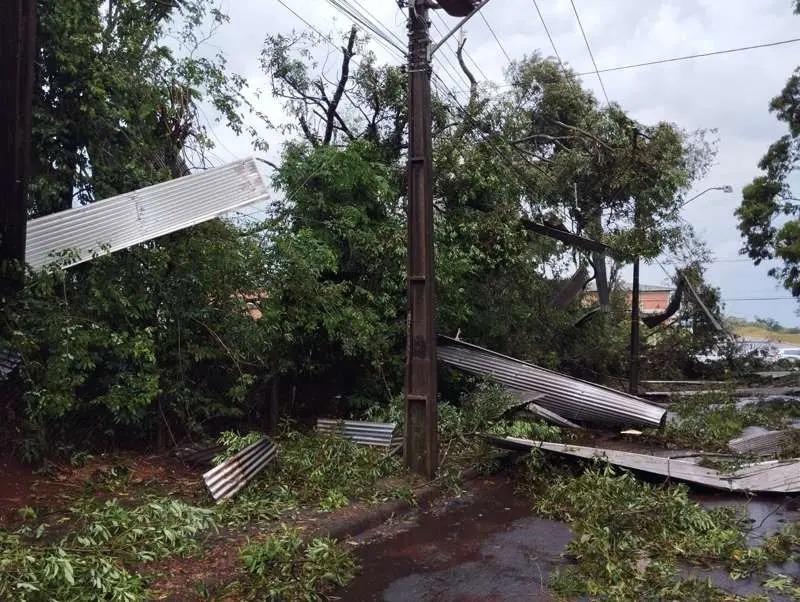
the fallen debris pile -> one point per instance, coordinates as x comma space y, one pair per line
570, 398
769, 443
771, 476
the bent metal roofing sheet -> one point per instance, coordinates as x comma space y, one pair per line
135, 217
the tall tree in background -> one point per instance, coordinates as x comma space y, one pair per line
769, 215
118, 85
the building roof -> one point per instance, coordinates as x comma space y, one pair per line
643, 288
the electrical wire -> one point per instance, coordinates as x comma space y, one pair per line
444, 58
376, 28
689, 57
494, 35
550, 37
466, 54
589, 48
400, 41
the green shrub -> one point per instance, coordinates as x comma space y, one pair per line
284, 567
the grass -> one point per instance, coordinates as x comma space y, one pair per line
762, 334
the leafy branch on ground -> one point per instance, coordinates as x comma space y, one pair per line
285, 567
96, 557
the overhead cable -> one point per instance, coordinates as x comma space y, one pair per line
589, 48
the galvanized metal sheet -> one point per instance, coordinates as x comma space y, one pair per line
135, 217
570, 398
379, 434
765, 444
9, 361
772, 476
228, 478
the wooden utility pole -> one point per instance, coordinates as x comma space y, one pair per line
17, 44
421, 444
635, 341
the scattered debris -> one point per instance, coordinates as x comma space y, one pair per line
530, 410
198, 455
9, 362
570, 398
377, 434
765, 444
135, 217
772, 476
228, 478
631, 432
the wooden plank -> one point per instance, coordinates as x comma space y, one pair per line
763, 477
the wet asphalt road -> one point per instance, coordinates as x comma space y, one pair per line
487, 546
484, 546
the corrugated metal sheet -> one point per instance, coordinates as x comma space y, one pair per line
9, 361
570, 398
765, 444
772, 476
379, 434
225, 480
135, 217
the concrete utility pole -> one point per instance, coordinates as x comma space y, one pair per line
421, 443
17, 51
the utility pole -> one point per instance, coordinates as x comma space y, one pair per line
17, 51
421, 442
635, 341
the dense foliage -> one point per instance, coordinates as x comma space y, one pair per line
769, 213
187, 334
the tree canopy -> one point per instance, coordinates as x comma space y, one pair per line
769, 215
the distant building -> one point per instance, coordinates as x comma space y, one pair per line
652, 299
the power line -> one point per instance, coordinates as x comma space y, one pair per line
377, 20
760, 299
466, 54
550, 37
589, 48
359, 18
494, 35
691, 56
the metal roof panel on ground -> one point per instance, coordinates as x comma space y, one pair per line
765, 444
570, 398
379, 434
226, 479
773, 476
135, 217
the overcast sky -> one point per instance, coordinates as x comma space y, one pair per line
729, 93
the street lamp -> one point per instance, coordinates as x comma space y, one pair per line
726, 189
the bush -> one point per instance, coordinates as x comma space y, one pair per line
284, 567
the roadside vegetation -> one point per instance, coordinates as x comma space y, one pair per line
708, 421
636, 541
208, 333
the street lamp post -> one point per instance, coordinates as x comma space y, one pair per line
727, 188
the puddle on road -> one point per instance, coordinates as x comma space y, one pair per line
487, 546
